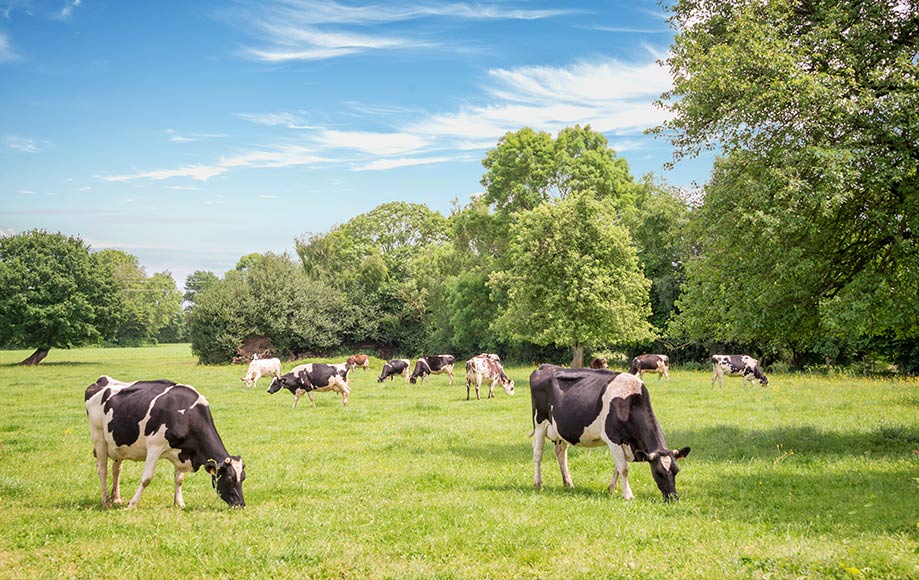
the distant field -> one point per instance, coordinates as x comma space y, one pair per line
808, 477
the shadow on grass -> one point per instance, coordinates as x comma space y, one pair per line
62, 363
729, 442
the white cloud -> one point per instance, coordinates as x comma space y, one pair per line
67, 11
289, 30
175, 137
7, 54
25, 144
289, 120
373, 143
199, 172
384, 164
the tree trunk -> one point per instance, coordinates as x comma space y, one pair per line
577, 356
36, 357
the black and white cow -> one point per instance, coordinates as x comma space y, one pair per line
654, 363
151, 420
600, 407
314, 377
396, 366
433, 365
736, 365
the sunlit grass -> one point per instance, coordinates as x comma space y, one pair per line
808, 477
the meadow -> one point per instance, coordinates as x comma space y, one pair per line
812, 476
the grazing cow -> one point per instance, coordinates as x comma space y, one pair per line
314, 377
600, 407
736, 365
433, 365
396, 366
599, 363
653, 363
260, 367
486, 366
151, 420
359, 360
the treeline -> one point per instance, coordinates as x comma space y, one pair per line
564, 253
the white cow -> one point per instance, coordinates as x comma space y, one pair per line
486, 366
262, 367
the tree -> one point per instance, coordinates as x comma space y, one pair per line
813, 104
53, 294
573, 279
270, 296
198, 281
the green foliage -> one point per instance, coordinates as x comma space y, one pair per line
573, 278
811, 216
198, 281
53, 293
268, 296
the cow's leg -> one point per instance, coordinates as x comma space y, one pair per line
450, 372
179, 478
621, 470
312, 399
149, 468
345, 392
561, 454
539, 441
116, 481
101, 451
468, 389
478, 387
716, 377
491, 389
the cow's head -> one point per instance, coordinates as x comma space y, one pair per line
664, 469
227, 478
289, 381
508, 387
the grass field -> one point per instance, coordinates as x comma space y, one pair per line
810, 477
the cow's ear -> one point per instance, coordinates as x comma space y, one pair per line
211, 467
681, 453
640, 455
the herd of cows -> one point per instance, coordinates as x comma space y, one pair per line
152, 420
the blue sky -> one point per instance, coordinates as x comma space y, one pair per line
192, 133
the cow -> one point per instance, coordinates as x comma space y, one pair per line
600, 407
359, 360
735, 365
653, 363
486, 366
152, 420
599, 363
260, 367
314, 377
433, 365
397, 366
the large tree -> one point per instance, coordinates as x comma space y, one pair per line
573, 279
814, 105
53, 294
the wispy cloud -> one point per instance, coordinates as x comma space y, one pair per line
289, 120
25, 144
7, 54
176, 137
279, 156
304, 30
67, 11
384, 164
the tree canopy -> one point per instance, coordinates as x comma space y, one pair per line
808, 221
53, 294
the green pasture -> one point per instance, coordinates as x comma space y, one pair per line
809, 477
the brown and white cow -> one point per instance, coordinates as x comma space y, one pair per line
261, 367
653, 363
736, 365
359, 360
600, 407
152, 420
599, 363
486, 366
